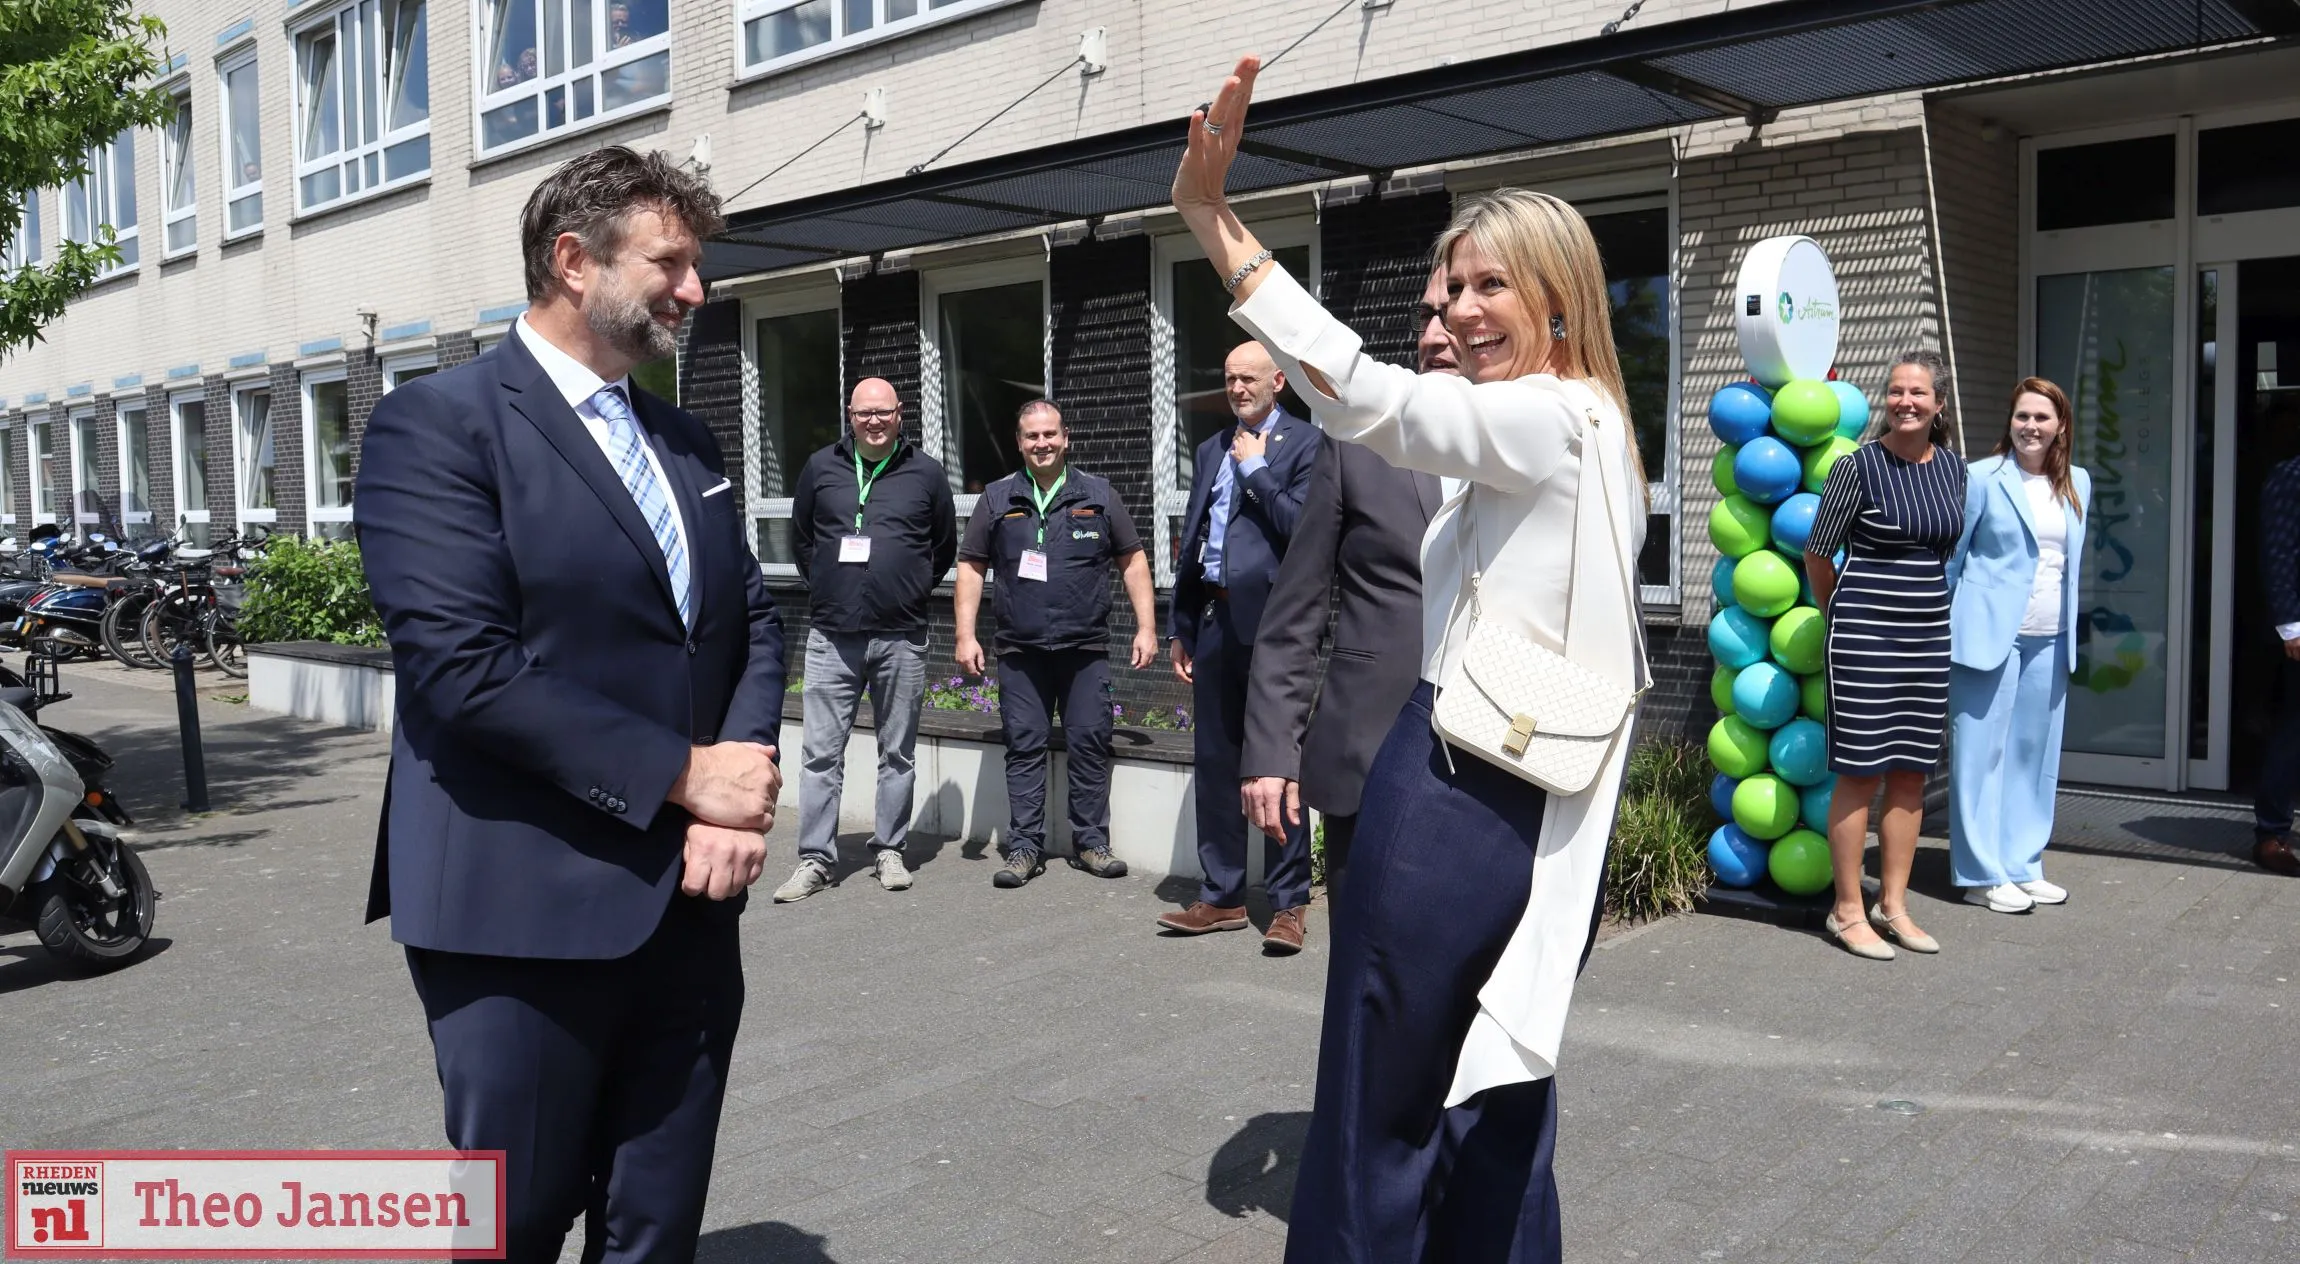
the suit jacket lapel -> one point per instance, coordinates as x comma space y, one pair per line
2009, 476
530, 393
1427, 491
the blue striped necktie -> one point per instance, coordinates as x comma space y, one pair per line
646, 490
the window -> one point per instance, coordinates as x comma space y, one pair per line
398, 373
243, 146
777, 32
191, 466
106, 196
182, 226
11, 445
87, 481
363, 100
987, 358
47, 472
2114, 182
800, 411
254, 455
23, 248
1637, 246
327, 445
135, 469
552, 65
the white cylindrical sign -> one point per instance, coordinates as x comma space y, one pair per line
1786, 310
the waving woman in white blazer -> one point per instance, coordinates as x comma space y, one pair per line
2012, 645
1471, 890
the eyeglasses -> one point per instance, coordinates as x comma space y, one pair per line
873, 414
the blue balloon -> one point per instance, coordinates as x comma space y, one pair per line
1793, 523
1800, 751
1737, 859
1721, 581
1852, 410
1813, 804
1765, 695
1740, 412
1721, 795
1738, 638
1767, 470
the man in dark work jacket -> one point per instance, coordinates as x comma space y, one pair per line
1360, 535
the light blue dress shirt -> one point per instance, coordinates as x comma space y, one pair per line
1225, 488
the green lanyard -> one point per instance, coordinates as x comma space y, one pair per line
863, 485
1045, 499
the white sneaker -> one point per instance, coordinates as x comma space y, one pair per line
2003, 898
2044, 892
891, 873
807, 879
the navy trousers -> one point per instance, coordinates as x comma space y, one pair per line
1219, 679
2280, 760
1031, 684
1442, 869
600, 1080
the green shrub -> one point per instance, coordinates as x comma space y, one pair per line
309, 590
1659, 863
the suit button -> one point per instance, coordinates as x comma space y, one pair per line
690, 647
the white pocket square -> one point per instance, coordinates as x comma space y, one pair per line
723, 485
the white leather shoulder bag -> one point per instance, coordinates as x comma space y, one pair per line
1524, 707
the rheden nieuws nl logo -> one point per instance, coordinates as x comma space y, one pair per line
316, 1204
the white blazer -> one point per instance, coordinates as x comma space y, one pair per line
1521, 443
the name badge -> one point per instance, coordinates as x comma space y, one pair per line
1033, 565
854, 548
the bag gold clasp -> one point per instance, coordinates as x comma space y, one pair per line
1520, 733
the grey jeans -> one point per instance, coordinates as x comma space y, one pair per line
840, 666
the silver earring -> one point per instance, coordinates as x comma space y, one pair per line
1557, 328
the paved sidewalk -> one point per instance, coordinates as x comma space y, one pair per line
961, 1074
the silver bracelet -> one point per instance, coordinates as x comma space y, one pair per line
1238, 278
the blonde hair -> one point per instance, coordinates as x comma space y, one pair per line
1547, 250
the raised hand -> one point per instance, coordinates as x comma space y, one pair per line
1213, 143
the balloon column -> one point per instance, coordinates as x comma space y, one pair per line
1782, 431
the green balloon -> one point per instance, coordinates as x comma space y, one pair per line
1721, 470
1763, 584
1813, 691
1805, 412
1800, 640
1819, 459
1737, 749
1739, 526
1721, 688
1765, 807
1799, 863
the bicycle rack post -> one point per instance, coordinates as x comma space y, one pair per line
188, 722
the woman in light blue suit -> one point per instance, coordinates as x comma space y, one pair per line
2012, 645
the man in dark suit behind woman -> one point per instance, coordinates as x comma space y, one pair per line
1360, 536
589, 675
2273, 847
1245, 499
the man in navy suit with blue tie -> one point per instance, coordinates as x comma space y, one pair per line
1245, 497
590, 679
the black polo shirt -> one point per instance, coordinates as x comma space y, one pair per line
1086, 527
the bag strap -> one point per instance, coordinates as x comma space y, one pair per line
1629, 587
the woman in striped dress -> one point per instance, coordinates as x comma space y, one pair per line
1896, 507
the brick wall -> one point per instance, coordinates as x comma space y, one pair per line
216, 430
1374, 264
363, 390
160, 451
711, 380
1976, 197
287, 448
457, 348
106, 436
878, 337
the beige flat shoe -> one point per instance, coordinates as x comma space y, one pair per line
1912, 939
1874, 952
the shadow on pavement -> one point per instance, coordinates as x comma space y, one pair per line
253, 764
1254, 1170
35, 966
768, 1240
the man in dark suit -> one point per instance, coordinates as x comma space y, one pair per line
2273, 847
1359, 539
589, 676
1245, 498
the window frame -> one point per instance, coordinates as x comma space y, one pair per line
394, 366
8, 443
129, 517
935, 282
178, 465
101, 185
80, 430
243, 512
881, 29
23, 249
1661, 486
235, 192
369, 18
180, 89
1170, 494
316, 514
828, 296
32, 467
486, 98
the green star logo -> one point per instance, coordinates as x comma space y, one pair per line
1788, 308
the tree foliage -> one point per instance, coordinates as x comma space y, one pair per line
73, 74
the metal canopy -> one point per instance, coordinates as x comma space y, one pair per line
1735, 64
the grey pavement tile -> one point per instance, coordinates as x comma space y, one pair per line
1244, 1245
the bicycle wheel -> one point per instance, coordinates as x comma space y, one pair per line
169, 623
224, 647
123, 628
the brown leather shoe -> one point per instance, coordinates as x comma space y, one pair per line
1284, 938
1202, 917
2275, 854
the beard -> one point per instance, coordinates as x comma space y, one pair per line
627, 324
